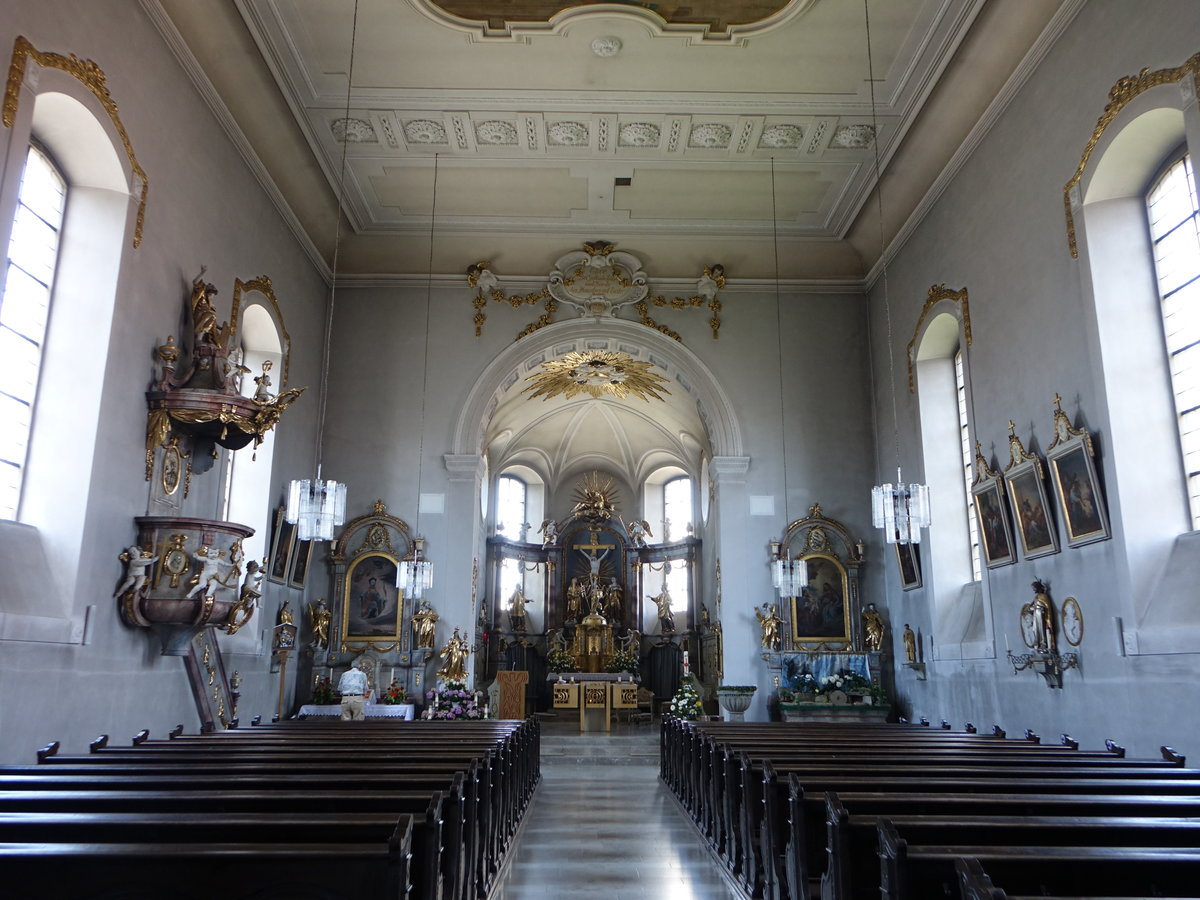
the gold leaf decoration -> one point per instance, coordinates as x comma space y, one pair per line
597, 372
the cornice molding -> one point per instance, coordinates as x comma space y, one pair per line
192, 68
527, 283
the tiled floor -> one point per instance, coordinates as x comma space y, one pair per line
608, 831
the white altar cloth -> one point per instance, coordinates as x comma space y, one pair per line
404, 711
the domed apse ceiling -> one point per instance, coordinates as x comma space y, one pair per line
657, 131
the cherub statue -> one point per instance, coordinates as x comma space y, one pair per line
425, 624
242, 611
480, 276
320, 618
137, 564
768, 619
632, 642
262, 390
209, 558
711, 281
549, 533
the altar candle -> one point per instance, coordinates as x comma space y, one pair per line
1006, 647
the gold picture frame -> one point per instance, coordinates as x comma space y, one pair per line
300, 562
282, 537
1025, 479
171, 473
1071, 457
372, 606
821, 614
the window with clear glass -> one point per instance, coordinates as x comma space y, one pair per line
1174, 216
24, 314
511, 497
677, 509
968, 458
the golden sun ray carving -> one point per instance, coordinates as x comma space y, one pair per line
597, 372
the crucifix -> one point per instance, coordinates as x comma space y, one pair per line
589, 552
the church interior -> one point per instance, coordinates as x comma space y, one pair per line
831, 352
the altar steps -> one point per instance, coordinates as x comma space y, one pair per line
624, 746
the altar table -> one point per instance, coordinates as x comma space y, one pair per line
595, 695
404, 711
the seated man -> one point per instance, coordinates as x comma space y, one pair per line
353, 688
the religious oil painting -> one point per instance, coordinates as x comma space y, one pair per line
371, 604
283, 536
301, 557
1031, 508
908, 557
995, 533
1078, 493
820, 614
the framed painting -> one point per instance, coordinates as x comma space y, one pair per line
301, 557
371, 604
282, 537
821, 614
991, 514
1031, 508
1073, 471
908, 558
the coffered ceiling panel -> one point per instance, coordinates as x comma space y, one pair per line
537, 110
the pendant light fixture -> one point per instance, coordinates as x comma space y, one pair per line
317, 506
415, 573
900, 509
787, 574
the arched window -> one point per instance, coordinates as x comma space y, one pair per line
511, 501
25, 313
677, 508
1174, 217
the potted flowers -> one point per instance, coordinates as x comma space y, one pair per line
455, 701
735, 700
394, 695
686, 703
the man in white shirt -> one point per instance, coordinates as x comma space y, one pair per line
353, 688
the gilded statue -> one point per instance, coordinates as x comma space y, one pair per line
769, 621
454, 658
320, 618
574, 600
666, 618
612, 599
516, 609
1043, 618
137, 564
910, 644
205, 329
872, 628
424, 622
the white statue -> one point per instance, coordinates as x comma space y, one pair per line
137, 564
210, 562
549, 533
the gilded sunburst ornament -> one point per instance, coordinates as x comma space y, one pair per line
597, 372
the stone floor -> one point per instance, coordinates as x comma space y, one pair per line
602, 825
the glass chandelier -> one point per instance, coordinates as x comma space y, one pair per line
788, 575
415, 575
316, 507
901, 510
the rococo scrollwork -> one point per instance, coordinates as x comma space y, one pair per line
596, 281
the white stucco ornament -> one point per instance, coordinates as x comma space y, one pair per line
598, 280
606, 46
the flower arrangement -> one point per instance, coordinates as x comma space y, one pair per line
805, 683
623, 661
454, 701
323, 693
559, 660
686, 703
395, 694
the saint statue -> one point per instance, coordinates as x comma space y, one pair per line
424, 622
574, 600
1043, 619
872, 628
516, 609
768, 619
910, 644
454, 658
320, 618
612, 599
666, 618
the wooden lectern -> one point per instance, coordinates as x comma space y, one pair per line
512, 694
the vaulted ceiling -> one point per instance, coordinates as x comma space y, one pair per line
712, 131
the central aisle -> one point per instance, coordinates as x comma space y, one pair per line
601, 825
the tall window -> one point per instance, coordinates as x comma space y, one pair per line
24, 314
677, 508
1175, 228
968, 458
511, 495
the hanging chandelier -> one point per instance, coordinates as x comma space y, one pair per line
414, 575
900, 509
315, 506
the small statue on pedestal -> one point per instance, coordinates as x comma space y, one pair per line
454, 656
425, 625
910, 644
769, 621
872, 628
666, 618
320, 618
